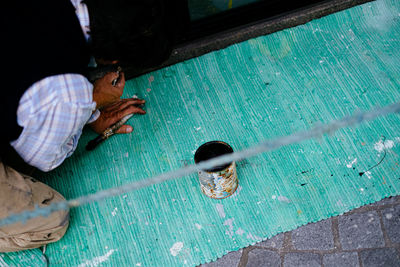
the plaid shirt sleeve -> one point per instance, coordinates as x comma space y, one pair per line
52, 113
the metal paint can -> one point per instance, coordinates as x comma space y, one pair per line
220, 181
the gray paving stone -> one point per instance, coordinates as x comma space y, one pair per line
380, 257
391, 222
349, 259
229, 260
386, 201
300, 259
274, 242
314, 236
360, 230
262, 257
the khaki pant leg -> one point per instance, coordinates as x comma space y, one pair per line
19, 192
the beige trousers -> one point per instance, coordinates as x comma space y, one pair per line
19, 192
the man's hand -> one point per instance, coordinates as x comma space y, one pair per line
104, 93
115, 112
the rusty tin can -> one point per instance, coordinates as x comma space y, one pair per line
221, 181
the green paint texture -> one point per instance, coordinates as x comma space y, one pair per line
264, 88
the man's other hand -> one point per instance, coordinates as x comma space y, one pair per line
104, 93
115, 112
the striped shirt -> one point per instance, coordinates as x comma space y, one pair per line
53, 112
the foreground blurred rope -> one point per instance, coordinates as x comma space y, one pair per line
267, 145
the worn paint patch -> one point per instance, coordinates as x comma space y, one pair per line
97, 260
253, 237
198, 226
382, 145
240, 231
2, 262
229, 223
283, 199
350, 165
237, 192
114, 212
220, 209
176, 248
381, 17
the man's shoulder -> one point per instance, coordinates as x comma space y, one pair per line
71, 89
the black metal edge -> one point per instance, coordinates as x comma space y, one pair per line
243, 15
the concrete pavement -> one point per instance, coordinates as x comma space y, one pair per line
367, 236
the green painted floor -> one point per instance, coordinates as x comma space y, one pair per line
260, 89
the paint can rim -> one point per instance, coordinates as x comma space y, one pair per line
218, 148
